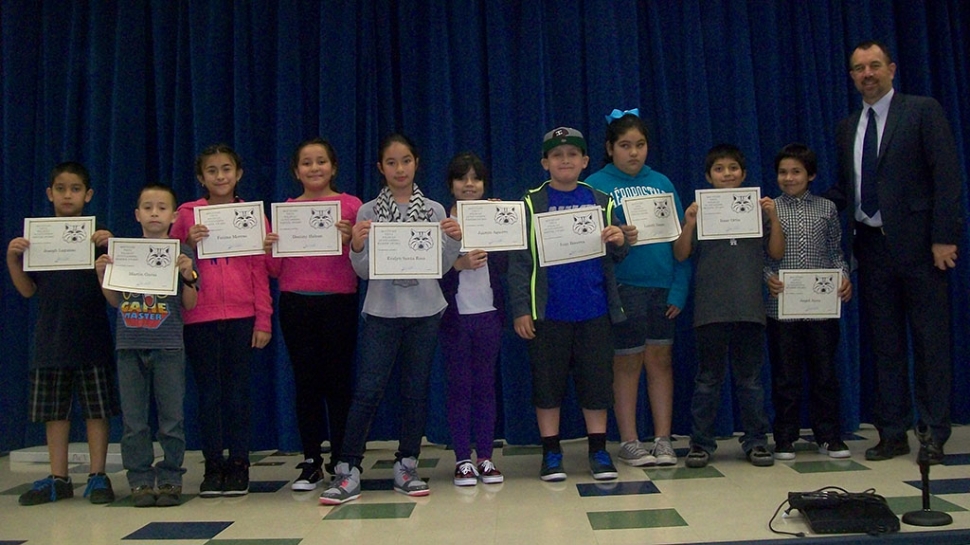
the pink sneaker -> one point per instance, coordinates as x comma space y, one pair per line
489, 473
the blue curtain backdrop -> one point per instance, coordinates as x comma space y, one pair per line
135, 89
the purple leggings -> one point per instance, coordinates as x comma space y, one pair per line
470, 345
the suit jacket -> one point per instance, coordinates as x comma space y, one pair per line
918, 178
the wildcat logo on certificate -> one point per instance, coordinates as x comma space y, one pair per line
404, 251
493, 226
306, 228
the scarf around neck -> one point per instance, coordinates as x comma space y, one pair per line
387, 209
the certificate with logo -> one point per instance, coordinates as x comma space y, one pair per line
306, 228
59, 244
493, 226
405, 251
655, 217
235, 229
728, 213
143, 265
809, 294
568, 236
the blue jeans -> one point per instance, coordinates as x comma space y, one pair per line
140, 372
384, 341
740, 344
220, 354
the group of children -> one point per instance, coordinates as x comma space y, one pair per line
600, 320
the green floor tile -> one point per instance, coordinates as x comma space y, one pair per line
521, 451
294, 541
371, 511
644, 518
422, 463
668, 473
827, 466
905, 504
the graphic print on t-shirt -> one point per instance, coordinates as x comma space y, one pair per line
144, 311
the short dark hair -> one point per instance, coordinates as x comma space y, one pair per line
71, 167
869, 44
461, 163
618, 127
331, 153
723, 151
801, 153
158, 186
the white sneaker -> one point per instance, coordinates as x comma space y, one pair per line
465, 473
632, 453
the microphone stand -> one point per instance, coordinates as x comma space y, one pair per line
926, 516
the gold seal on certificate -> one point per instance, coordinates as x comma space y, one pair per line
811, 294
143, 265
59, 244
568, 236
306, 228
234, 229
654, 216
493, 226
405, 250
728, 213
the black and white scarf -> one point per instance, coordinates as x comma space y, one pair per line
387, 210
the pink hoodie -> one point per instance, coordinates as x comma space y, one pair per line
330, 274
235, 287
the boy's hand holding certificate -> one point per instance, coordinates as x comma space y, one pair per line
235, 229
59, 244
728, 213
568, 236
809, 294
143, 265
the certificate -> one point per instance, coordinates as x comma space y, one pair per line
234, 229
306, 228
728, 213
405, 250
143, 265
492, 225
59, 244
655, 217
568, 236
810, 293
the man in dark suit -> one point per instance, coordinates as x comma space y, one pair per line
900, 182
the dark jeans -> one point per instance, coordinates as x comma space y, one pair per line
321, 336
220, 354
740, 344
795, 347
384, 341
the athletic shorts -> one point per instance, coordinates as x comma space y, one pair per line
583, 349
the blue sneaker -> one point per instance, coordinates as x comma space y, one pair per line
47, 490
601, 466
99, 489
552, 467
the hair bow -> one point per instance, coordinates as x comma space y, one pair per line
616, 114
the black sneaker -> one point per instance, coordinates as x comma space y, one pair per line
310, 476
48, 490
213, 480
99, 489
237, 479
601, 466
834, 449
784, 450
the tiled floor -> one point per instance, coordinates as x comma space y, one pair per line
729, 501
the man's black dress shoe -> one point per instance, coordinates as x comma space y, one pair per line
888, 449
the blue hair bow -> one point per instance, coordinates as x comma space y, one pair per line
616, 114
